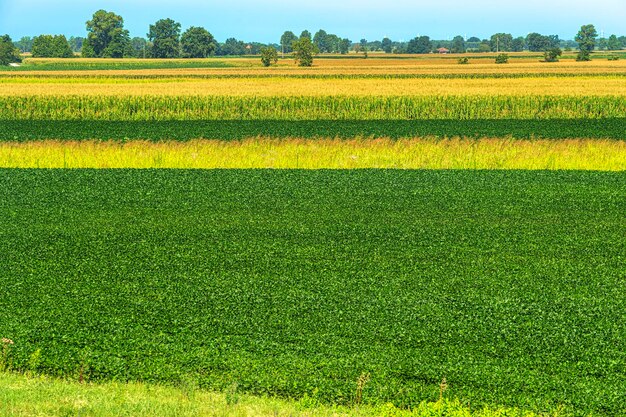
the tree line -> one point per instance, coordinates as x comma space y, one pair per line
107, 38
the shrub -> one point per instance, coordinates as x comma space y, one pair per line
502, 59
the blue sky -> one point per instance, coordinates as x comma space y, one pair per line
265, 21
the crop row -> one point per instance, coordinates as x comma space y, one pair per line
310, 108
508, 284
8, 77
28, 130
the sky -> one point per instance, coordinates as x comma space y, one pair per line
265, 21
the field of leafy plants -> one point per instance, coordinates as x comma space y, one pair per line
507, 284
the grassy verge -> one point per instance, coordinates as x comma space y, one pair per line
289, 153
22, 396
33, 130
298, 283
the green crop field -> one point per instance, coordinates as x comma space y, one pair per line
28, 130
510, 285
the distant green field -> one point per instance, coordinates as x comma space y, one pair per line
26, 130
130, 64
508, 284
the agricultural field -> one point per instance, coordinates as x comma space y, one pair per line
389, 236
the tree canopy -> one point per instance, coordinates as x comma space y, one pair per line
106, 36
165, 38
419, 45
8, 52
197, 42
586, 39
303, 51
286, 40
48, 46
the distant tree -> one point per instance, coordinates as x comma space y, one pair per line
552, 55
286, 40
502, 59
484, 46
76, 43
622, 41
501, 42
613, 43
165, 38
420, 45
197, 42
603, 44
233, 46
106, 36
518, 44
269, 56
586, 39
48, 46
305, 34
320, 40
25, 44
473, 39
304, 50
387, 45
332, 43
344, 46
458, 45
8, 52
140, 47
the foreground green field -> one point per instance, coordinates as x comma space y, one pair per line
507, 284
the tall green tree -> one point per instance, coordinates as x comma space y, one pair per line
387, 45
303, 51
232, 46
48, 46
305, 34
286, 40
501, 42
197, 42
8, 52
76, 43
344, 46
269, 56
25, 44
321, 41
458, 45
586, 39
165, 38
106, 36
613, 43
140, 47
419, 45
518, 44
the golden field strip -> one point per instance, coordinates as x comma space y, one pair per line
325, 66
417, 153
282, 86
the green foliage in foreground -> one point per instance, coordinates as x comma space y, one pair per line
295, 283
25, 130
38, 395
310, 108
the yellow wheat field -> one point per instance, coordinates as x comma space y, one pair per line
417, 153
281, 86
482, 64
